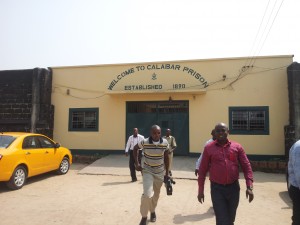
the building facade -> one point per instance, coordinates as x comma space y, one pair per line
96, 107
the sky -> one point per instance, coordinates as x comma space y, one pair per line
53, 33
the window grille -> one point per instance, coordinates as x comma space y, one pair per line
83, 119
249, 120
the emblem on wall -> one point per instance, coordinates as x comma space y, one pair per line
154, 76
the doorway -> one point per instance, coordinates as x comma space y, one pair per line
167, 114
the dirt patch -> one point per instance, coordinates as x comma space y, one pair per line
114, 200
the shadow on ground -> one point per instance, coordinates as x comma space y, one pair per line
180, 219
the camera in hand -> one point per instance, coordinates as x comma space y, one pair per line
168, 184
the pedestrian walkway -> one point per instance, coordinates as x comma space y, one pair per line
118, 165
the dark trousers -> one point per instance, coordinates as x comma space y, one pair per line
131, 165
295, 196
225, 199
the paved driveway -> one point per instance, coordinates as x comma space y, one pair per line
101, 193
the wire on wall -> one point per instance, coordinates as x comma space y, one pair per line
67, 90
244, 71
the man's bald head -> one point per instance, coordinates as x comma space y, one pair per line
155, 132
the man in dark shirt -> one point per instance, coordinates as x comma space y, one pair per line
222, 158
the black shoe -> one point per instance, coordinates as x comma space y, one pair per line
143, 221
170, 173
153, 217
134, 180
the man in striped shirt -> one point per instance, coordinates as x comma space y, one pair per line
154, 167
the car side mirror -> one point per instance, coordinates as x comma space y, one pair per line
57, 145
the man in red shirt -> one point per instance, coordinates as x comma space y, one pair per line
222, 158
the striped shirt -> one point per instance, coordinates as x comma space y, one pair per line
153, 160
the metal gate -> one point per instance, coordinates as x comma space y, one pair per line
173, 115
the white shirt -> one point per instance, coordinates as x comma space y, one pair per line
199, 159
132, 141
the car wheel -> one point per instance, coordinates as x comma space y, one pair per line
64, 166
18, 178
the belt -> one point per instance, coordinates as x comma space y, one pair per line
224, 185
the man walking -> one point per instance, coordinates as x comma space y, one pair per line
155, 167
294, 181
213, 137
132, 141
172, 145
222, 158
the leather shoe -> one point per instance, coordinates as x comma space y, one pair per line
153, 217
143, 221
134, 180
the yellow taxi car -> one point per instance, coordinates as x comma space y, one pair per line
24, 155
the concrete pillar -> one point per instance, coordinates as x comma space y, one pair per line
36, 98
46, 86
292, 131
294, 96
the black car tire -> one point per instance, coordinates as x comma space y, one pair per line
64, 166
18, 178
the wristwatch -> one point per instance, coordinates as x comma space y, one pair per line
250, 188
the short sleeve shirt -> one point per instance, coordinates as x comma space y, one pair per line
153, 161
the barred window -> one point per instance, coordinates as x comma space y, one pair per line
83, 119
249, 120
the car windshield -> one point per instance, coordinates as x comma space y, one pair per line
6, 140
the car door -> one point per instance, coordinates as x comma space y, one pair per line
52, 156
35, 156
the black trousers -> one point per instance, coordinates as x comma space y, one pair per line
295, 196
131, 165
225, 199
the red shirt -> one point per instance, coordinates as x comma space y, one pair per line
222, 162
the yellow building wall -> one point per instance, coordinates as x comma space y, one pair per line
223, 83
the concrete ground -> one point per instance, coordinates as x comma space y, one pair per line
102, 193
